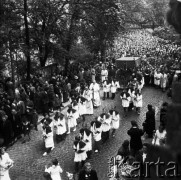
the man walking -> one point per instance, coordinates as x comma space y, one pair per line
135, 142
88, 173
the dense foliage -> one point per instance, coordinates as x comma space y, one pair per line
46, 31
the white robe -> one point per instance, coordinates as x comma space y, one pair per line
96, 96
76, 108
106, 123
104, 75
4, 163
49, 142
114, 87
164, 80
60, 126
54, 172
82, 108
80, 156
97, 132
106, 87
138, 101
159, 136
89, 106
115, 121
125, 100
72, 122
88, 141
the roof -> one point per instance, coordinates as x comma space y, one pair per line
128, 59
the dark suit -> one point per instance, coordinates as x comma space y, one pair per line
83, 175
135, 141
149, 124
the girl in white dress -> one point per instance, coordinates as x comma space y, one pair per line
160, 137
5, 164
55, 170
87, 94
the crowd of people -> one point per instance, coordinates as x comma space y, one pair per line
81, 87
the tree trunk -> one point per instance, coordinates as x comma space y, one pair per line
12, 66
43, 54
69, 43
27, 51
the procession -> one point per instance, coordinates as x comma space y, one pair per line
100, 118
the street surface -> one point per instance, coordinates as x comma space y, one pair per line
29, 162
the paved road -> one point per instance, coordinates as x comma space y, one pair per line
29, 162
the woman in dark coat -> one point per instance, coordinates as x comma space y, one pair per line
163, 114
149, 124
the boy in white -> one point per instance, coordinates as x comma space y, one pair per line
106, 88
115, 118
60, 126
72, 121
114, 86
96, 128
138, 101
104, 74
105, 119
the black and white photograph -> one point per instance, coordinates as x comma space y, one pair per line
90, 89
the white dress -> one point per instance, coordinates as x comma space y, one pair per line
159, 136
76, 108
97, 132
113, 87
60, 126
80, 156
96, 97
106, 123
49, 143
125, 100
89, 106
54, 172
88, 140
164, 80
72, 122
106, 86
104, 75
82, 107
138, 102
4, 163
115, 121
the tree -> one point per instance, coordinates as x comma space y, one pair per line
27, 51
144, 13
9, 33
100, 23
